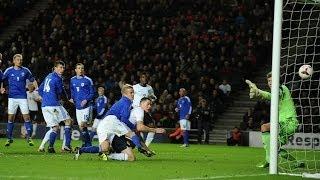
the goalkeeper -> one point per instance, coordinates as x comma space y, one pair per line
288, 122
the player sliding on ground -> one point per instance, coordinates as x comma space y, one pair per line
288, 122
115, 125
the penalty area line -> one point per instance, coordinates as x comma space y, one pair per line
219, 177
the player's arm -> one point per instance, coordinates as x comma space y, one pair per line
102, 106
32, 79
257, 93
71, 92
125, 114
151, 94
187, 108
143, 128
91, 92
40, 89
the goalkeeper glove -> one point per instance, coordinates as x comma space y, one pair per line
254, 91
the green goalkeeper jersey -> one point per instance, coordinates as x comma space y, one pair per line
287, 109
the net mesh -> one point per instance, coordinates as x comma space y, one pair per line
301, 45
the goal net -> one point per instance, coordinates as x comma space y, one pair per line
300, 44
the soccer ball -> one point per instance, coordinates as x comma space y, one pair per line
305, 71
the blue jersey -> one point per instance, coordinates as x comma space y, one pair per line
51, 89
184, 106
81, 88
122, 109
17, 81
101, 104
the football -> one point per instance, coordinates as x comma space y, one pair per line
305, 71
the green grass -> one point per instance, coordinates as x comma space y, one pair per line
20, 161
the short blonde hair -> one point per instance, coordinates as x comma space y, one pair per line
17, 55
125, 88
269, 75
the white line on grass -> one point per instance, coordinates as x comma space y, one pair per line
36, 177
219, 177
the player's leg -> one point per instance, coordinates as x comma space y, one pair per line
94, 126
148, 121
265, 134
82, 119
12, 109
104, 144
286, 131
23, 104
185, 127
63, 115
45, 140
121, 151
33, 118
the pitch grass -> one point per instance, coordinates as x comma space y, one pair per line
19, 161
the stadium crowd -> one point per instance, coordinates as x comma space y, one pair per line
199, 45
10, 9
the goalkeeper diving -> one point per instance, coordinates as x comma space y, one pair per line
288, 122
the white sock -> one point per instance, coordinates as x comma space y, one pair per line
149, 138
45, 139
34, 131
142, 135
63, 142
118, 156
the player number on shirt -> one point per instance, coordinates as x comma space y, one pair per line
78, 89
46, 85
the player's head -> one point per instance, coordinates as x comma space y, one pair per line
0, 58
182, 92
59, 67
143, 78
145, 104
269, 78
17, 60
79, 69
31, 87
100, 90
127, 90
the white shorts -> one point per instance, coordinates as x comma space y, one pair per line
53, 115
185, 124
95, 123
13, 105
83, 115
110, 126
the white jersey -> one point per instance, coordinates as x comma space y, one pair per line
140, 92
32, 103
136, 115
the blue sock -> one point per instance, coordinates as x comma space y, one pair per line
90, 149
28, 126
67, 135
186, 137
136, 141
92, 133
52, 138
86, 137
10, 126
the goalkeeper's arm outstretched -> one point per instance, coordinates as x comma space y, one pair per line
288, 122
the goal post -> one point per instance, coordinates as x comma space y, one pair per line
274, 113
296, 41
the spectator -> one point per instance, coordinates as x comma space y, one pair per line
204, 120
235, 138
176, 135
